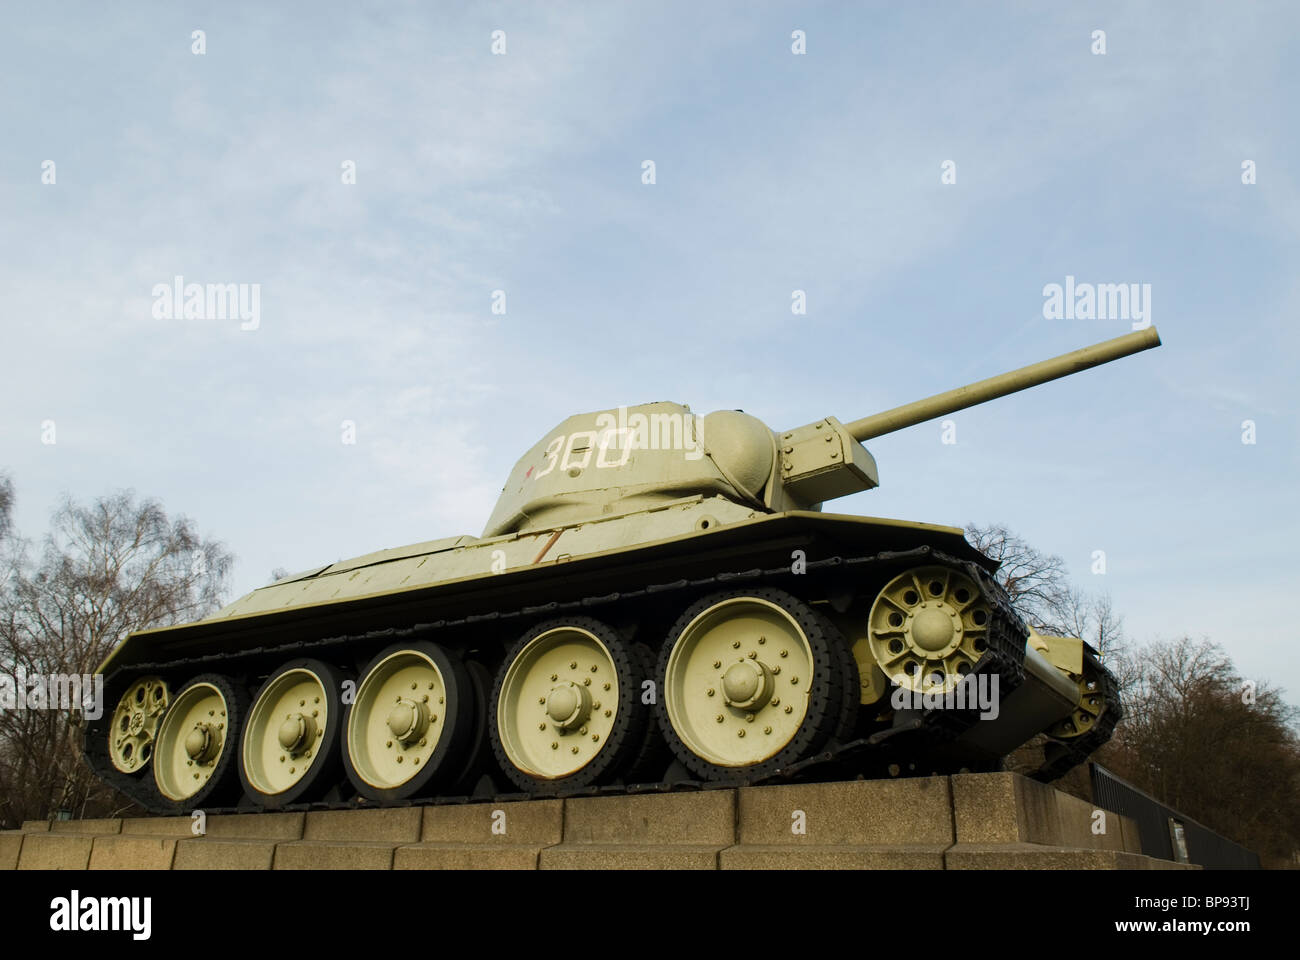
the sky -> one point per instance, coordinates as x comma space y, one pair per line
224, 158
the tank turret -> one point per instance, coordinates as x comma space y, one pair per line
629, 458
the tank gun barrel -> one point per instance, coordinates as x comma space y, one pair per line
940, 404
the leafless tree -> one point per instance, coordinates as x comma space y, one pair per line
1040, 590
104, 570
1221, 749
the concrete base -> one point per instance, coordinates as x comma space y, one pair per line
971, 821
670, 831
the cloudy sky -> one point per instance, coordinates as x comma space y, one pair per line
774, 172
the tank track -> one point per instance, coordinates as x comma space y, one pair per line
1061, 756
1005, 655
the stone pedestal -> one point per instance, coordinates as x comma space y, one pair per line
970, 821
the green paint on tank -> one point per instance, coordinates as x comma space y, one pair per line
607, 483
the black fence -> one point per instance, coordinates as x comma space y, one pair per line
1166, 833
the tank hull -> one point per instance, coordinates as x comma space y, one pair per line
833, 565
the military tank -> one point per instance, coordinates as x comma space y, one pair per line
657, 602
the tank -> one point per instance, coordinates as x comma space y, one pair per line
658, 601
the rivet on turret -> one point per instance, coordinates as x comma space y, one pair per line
740, 732
762, 639
711, 691
573, 664
554, 745
605, 686
719, 718
785, 653
794, 681
789, 709
767, 729
735, 644
716, 664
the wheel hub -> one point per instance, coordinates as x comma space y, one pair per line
747, 684
935, 628
408, 720
201, 743
568, 705
297, 732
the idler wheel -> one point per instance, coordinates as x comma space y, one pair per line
134, 726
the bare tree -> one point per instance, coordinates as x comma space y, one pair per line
1040, 590
1219, 748
105, 570
6, 505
